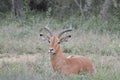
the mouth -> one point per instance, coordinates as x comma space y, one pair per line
51, 52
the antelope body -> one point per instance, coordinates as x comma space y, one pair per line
66, 65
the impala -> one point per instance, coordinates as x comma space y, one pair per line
72, 64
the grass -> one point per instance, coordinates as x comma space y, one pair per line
94, 43
93, 39
106, 69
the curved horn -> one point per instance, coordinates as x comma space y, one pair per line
47, 29
67, 30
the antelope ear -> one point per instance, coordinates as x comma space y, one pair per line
65, 39
44, 37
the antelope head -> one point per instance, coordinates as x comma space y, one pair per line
55, 41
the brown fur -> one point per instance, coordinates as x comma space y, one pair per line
70, 64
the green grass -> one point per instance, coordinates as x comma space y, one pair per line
97, 40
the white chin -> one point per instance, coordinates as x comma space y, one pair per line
51, 53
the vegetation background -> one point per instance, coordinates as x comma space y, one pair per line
95, 35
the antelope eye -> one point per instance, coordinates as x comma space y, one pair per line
58, 42
49, 41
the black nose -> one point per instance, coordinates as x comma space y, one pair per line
51, 49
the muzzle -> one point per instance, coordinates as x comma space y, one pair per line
51, 51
